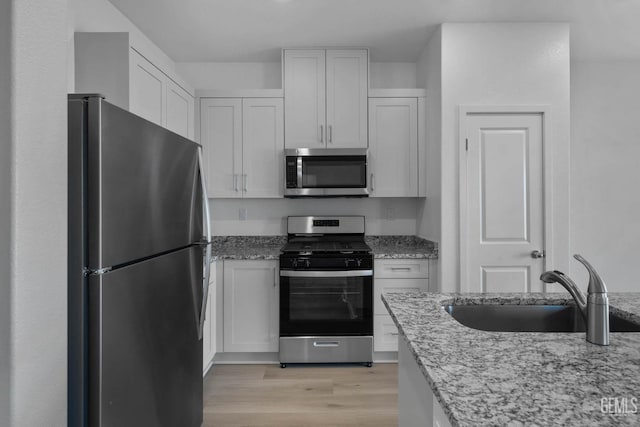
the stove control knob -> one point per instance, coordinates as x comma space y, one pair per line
349, 261
359, 261
307, 263
294, 263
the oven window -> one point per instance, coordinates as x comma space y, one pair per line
338, 299
334, 172
326, 306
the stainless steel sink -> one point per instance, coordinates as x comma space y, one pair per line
530, 318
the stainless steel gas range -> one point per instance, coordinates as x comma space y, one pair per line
326, 292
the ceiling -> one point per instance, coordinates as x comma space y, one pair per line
394, 30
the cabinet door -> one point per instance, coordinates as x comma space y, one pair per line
263, 145
207, 335
251, 306
179, 110
304, 98
385, 333
148, 90
347, 87
221, 139
393, 147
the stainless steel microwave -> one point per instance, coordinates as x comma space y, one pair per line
326, 172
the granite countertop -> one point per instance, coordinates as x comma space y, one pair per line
401, 247
247, 247
519, 378
268, 247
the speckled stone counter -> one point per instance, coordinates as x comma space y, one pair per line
391, 247
247, 247
268, 247
506, 378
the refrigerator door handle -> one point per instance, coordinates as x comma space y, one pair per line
207, 266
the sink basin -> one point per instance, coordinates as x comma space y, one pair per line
530, 318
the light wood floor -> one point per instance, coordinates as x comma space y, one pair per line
301, 396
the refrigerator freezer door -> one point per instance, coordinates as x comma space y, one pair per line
144, 192
145, 358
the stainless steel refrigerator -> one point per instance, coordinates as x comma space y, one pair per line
139, 257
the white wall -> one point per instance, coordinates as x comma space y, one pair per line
268, 75
33, 216
102, 16
605, 172
503, 64
393, 75
429, 68
231, 75
6, 172
267, 216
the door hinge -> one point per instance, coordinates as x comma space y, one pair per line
466, 144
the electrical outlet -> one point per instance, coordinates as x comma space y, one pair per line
242, 213
391, 213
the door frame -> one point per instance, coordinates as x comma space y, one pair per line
547, 178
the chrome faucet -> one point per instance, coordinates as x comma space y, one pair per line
594, 308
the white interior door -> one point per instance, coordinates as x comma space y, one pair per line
504, 204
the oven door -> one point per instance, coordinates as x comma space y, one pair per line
326, 303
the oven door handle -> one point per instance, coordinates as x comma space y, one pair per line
306, 273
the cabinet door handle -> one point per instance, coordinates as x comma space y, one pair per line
400, 269
373, 183
235, 182
330, 134
321, 134
244, 176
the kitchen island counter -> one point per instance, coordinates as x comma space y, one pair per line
519, 378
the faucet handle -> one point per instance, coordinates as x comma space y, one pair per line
596, 284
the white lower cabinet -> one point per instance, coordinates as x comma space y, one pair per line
394, 275
417, 406
251, 301
209, 330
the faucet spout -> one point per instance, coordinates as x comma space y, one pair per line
594, 308
578, 296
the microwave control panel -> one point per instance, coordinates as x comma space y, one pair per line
292, 172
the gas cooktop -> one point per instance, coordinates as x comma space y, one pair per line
325, 246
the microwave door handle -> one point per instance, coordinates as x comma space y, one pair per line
299, 171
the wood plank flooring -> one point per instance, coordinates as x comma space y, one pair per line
301, 396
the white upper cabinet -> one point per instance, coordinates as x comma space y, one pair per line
180, 108
393, 147
262, 146
304, 94
347, 87
221, 139
106, 63
147, 90
325, 95
243, 141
